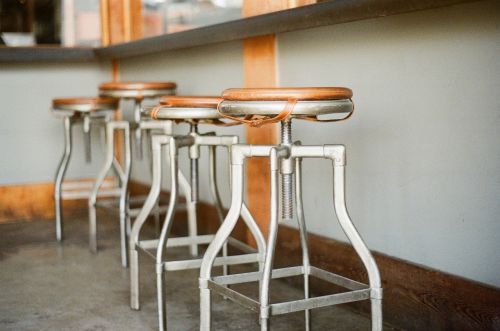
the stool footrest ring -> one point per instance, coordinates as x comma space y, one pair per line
358, 291
250, 257
219, 261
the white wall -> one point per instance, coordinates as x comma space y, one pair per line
32, 138
423, 145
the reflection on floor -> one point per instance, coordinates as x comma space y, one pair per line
49, 286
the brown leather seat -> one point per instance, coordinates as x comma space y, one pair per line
261, 106
85, 104
284, 94
189, 109
190, 101
138, 86
136, 90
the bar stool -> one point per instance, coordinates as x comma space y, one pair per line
193, 111
138, 91
263, 106
88, 111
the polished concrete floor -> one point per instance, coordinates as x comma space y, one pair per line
45, 285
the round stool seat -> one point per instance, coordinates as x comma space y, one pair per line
84, 105
200, 109
309, 102
137, 90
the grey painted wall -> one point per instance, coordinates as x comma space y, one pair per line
32, 138
423, 168
423, 153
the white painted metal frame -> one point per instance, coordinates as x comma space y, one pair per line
137, 126
172, 144
123, 175
138, 96
74, 191
281, 157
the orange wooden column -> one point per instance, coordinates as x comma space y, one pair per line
259, 67
121, 21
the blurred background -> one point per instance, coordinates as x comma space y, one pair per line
78, 23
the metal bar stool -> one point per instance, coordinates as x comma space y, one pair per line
258, 107
138, 91
88, 111
191, 110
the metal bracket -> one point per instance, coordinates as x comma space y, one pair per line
86, 138
203, 283
376, 293
336, 153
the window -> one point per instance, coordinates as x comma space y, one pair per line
52, 22
167, 16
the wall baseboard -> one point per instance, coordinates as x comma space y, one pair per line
33, 201
21, 202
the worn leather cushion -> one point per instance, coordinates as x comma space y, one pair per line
106, 102
138, 86
190, 101
283, 94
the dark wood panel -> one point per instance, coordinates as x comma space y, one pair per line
46, 54
321, 14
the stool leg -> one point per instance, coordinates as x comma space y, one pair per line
153, 195
165, 231
191, 211
356, 240
61, 171
303, 236
108, 163
87, 143
271, 243
216, 197
257, 235
124, 177
138, 130
254, 229
156, 214
157, 219
220, 238
124, 220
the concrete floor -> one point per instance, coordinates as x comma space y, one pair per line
49, 286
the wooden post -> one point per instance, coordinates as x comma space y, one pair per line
121, 21
259, 67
